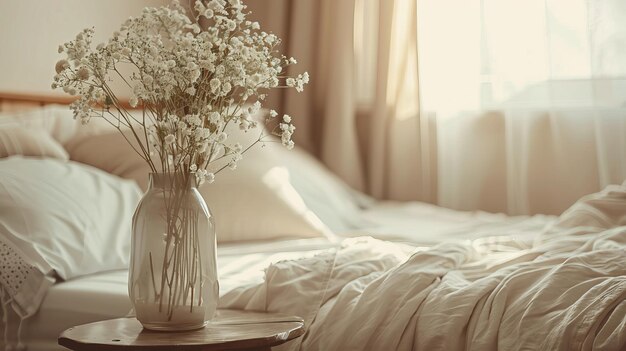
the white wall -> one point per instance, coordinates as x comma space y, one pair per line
31, 31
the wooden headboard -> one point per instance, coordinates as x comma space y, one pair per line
12, 102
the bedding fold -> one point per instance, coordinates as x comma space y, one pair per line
565, 292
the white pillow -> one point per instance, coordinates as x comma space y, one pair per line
257, 201
66, 217
18, 140
110, 152
324, 193
56, 120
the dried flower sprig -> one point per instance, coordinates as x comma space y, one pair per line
192, 74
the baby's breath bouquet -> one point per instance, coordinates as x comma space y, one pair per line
194, 73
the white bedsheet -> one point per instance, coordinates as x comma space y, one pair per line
422, 224
82, 300
105, 295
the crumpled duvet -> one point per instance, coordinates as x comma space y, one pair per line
567, 291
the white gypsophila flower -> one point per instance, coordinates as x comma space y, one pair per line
201, 176
169, 139
285, 127
133, 102
226, 87
231, 25
236, 157
201, 134
210, 178
287, 119
221, 137
244, 124
193, 167
299, 81
273, 113
193, 120
199, 7
215, 85
148, 80
255, 80
70, 90
256, 107
61, 65
214, 117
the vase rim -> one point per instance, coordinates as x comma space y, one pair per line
172, 180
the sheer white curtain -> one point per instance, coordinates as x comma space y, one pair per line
520, 107
529, 98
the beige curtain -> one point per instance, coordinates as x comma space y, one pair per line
521, 103
359, 114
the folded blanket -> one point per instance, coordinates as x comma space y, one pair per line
566, 292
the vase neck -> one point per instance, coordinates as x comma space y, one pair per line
175, 181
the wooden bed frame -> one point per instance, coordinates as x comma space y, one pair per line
14, 102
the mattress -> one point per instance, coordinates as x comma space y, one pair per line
104, 295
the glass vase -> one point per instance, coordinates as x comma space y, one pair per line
172, 280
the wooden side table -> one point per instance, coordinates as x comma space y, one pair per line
229, 330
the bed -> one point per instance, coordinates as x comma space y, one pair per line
378, 275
